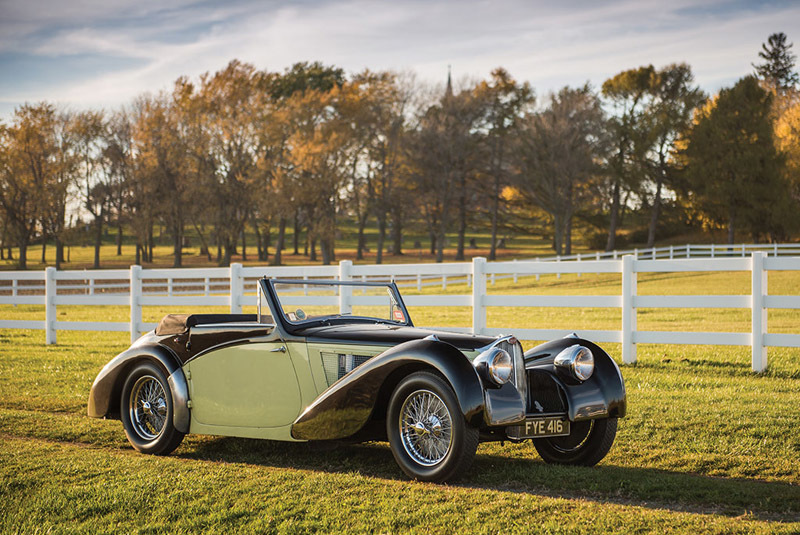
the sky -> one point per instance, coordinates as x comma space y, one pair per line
102, 53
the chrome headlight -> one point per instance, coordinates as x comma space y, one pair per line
495, 364
577, 360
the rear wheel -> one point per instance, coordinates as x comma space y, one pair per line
586, 445
429, 437
146, 410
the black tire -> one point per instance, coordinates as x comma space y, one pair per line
586, 445
148, 424
451, 448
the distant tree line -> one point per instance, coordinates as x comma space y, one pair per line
246, 149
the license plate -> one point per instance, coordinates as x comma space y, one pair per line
540, 427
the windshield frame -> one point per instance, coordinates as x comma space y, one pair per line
267, 285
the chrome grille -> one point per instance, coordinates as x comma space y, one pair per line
545, 394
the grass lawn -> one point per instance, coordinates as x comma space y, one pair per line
707, 447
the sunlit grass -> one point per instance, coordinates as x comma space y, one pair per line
707, 446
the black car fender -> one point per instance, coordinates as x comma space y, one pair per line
104, 397
601, 396
344, 408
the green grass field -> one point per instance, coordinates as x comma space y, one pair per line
707, 447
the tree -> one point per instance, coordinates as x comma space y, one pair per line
445, 155
95, 191
626, 92
505, 101
558, 155
733, 170
30, 171
667, 116
778, 67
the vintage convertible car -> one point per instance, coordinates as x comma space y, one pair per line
342, 361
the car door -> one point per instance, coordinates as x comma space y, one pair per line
244, 385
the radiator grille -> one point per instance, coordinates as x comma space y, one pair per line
545, 392
337, 365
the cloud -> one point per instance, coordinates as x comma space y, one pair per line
549, 44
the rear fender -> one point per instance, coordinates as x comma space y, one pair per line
344, 408
104, 397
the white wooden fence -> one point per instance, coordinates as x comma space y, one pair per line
235, 287
703, 250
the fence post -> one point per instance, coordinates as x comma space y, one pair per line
50, 305
478, 291
345, 303
236, 288
628, 310
558, 259
759, 313
579, 259
136, 307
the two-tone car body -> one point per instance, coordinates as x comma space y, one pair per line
306, 371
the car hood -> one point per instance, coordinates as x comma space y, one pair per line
382, 334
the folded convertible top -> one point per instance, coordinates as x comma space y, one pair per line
180, 323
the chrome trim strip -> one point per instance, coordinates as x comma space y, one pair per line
180, 400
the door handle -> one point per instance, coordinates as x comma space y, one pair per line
281, 349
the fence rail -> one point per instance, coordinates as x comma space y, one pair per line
235, 287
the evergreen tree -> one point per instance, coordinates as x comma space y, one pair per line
778, 67
733, 169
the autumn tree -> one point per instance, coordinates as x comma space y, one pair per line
627, 93
732, 166
558, 155
504, 103
668, 114
30, 182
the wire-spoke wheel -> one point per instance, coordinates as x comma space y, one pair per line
426, 427
148, 407
146, 411
430, 439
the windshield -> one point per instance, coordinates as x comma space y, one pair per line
303, 302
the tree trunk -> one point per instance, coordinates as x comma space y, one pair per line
440, 243
495, 209
651, 231
119, 239
59, 253
381, 238
361, 241
276, 260
177, 246
296, 236
462, 219
568, 236
397, 230
731, 227
98, 238
312, 244
612, 227
150, 244
244, 244
138, 256
432, 236
23, 255
259, 241
558, 233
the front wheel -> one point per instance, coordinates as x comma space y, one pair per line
586, 445
146, 411
429, 437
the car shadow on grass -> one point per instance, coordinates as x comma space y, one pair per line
645, 487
